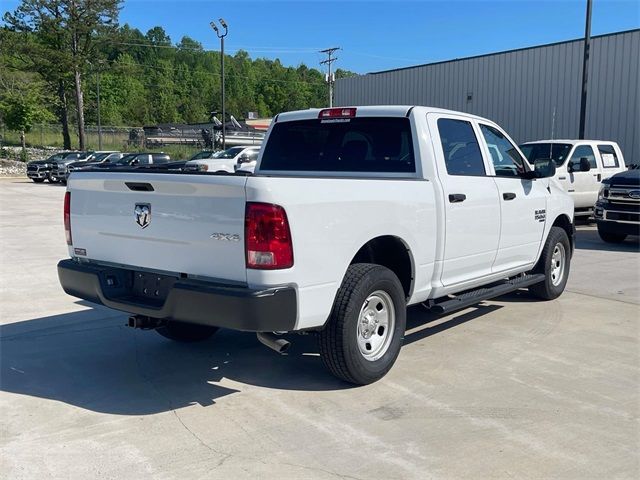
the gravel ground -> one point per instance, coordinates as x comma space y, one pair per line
11, 166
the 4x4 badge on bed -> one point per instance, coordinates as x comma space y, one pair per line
143, 214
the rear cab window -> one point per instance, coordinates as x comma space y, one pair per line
460, 147
359, 144
609, 156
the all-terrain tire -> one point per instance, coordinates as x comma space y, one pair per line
186, 332
555, 280
338, 341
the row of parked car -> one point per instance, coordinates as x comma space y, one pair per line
58, 167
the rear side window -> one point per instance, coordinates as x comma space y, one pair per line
460, 147
365, 144
583, 151
608, 155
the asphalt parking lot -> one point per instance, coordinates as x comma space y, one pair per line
512, 388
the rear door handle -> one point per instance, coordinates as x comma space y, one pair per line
508, 196
457, 197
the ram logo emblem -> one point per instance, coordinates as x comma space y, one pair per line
143, 214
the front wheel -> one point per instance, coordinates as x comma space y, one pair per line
610, 237
186, 332
554, 263
362, 338
53, 179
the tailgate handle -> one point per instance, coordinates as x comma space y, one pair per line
139, 187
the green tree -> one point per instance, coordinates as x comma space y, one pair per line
68, 30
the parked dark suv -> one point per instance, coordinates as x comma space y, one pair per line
617, 210
133, 160
59, 167
39, 170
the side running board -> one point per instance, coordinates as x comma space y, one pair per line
472, 297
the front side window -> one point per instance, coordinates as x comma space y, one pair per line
608, 155
582, 151
507, 161
460, 147
360, 144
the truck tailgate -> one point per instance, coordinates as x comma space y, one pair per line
169, 222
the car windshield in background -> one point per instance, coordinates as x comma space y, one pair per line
365, 144
556, 151
200, 155
230, 152
126, 160
98, 157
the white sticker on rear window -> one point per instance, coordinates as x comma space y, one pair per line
336, 120
609, 160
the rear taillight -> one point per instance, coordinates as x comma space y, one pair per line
337, 113
267, 237
67, 216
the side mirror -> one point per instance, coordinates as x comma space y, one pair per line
544, 168
585, 166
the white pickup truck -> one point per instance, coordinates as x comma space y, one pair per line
352, 215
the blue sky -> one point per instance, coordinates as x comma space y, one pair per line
377, 35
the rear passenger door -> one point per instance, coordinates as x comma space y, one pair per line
523, 202
583, 186
472, 209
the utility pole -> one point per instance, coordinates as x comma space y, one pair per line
585, 71
221, 37
330, 59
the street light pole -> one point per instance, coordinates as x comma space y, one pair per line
221, 36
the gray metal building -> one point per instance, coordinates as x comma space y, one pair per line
519, 89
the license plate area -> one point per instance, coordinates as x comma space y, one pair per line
152, 287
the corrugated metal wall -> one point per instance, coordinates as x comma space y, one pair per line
520, 89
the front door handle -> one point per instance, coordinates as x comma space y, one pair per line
509, 196
457, 197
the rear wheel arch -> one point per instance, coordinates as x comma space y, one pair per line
391, 252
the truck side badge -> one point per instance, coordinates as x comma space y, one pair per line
143, 214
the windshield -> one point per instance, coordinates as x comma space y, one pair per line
230, 152
98, 157
556, 151
366, 144
126, 160
203, 154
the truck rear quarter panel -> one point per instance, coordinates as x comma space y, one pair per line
331, 219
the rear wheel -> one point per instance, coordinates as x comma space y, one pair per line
186, 332
610, 237
554, 263
38, 180
362, 338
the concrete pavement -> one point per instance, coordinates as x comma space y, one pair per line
513, 388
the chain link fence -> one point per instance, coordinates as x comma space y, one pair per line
113, 138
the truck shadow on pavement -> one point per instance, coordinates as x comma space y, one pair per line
90, 359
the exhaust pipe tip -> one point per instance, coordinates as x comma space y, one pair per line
274, 342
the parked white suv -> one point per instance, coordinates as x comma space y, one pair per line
223, 161
580, 166
352, 214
